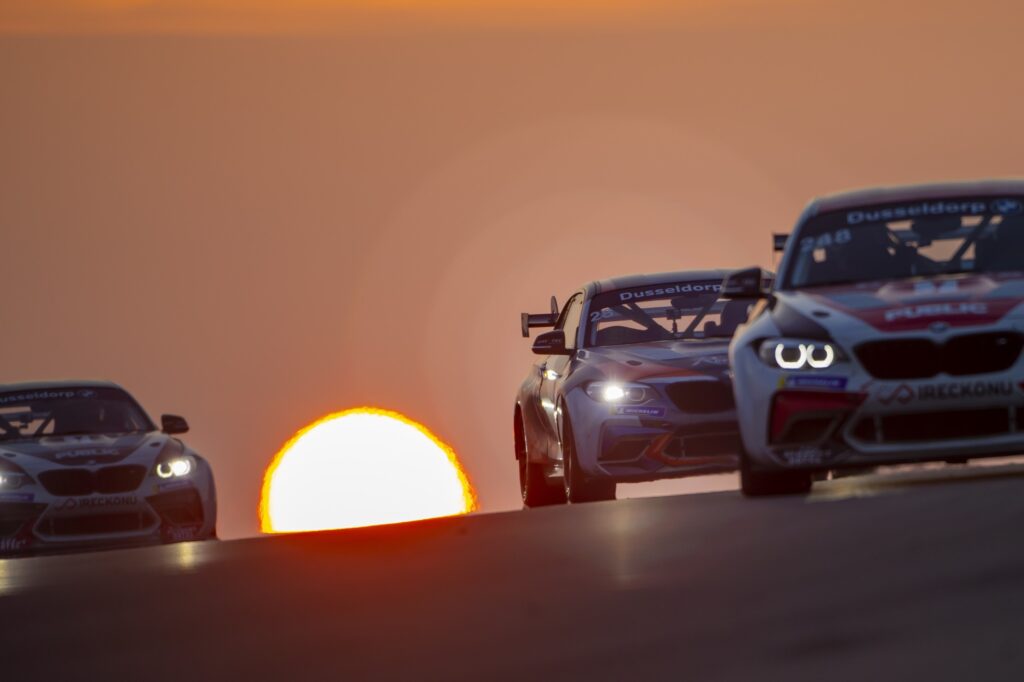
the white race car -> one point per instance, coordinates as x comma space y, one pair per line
633, 385
893, 334
82, 465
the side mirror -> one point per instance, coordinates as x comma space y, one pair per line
749, 283
172, 424
550, 343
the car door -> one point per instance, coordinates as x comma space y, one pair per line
554, 369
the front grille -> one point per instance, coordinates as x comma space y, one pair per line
119, 479
96, 524
701, 396
180, 507
932, 426
116, 479
922, 358
68, 482
14, 515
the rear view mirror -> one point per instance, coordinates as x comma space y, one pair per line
550, 343
172, 424
749, 283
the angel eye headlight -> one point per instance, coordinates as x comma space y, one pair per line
794, 354
175, 468
614, 392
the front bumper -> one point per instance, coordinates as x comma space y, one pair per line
32, 520
836, 419
655, 440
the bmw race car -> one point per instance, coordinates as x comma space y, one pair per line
893, 335
82, 465
633, 385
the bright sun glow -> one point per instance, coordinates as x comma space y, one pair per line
362, 467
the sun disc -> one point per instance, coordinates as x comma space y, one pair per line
362, 467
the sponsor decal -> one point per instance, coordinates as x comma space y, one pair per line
927, 208
13, 544
87, 393
712, 360
806, 454
813, 381
902, 394
1007, 206
87, 453
640, 411
936, 310
950, 390
688, 288
17, 497
8, 398
75, 503
964, 389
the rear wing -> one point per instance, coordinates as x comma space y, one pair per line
533, 320
779, 240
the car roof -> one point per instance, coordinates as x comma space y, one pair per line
592, 289
900, 193
57, 385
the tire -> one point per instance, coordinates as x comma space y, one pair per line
761, 484
533, 485
579, 488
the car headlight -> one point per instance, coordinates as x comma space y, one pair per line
10, 480
176, 467
617, 392
797, 354
12, 477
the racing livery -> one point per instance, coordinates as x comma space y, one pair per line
893, 334
82, 465
633, 385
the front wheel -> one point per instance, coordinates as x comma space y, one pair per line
533, 485
579, 488
761, 484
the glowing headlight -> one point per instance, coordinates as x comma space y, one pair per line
794, 354
174, 468
614, 392
11, 481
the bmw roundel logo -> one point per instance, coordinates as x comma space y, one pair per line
1007, 206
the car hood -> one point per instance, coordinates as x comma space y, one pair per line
84, 450
912, 304
662, 359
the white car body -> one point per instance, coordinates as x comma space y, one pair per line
932, 368
67, 492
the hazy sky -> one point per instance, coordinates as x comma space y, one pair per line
255, 230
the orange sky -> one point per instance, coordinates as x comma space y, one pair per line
255, 231
280, 16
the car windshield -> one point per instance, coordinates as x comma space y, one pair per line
663, 312
897, 241
69, 412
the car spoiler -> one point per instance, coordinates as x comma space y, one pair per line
779, 240
532, 320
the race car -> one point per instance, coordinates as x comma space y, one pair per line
82, 465
893, 334
633, 385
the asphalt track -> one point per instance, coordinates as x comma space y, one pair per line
897, 577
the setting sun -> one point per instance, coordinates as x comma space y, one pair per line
362, 467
